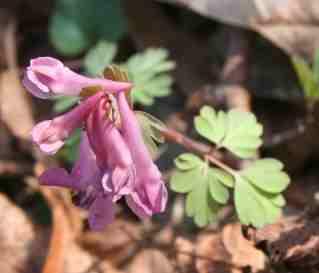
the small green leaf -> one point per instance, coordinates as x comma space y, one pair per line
187, 161
205, 193
201, 206
253, 206
307, 78
211, 125
149, 73
185, 181
243, 135
99, 57
64, 103
237, 131
217, 190
267, 175
223, 177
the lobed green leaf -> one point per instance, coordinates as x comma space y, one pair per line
267, 175
99, 57
254, 206
237, 131
149, 72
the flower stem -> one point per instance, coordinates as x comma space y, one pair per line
204, 150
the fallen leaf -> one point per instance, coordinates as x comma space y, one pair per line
290, 24
78, 260
15, 110
212, 257
150, 261
185, 250
61, 236
243, 253
116, 243
17, 240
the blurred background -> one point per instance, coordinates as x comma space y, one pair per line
255, 55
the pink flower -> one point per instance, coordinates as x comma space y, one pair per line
113, 155
150, 194
51, 134
113, 159
47, 77
85, 178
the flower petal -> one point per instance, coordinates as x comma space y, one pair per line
47, 77
138, 206
50, 134
85, 169
101, 213
59, 177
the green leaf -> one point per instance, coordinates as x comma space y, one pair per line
201, 206
267, 175
205, 193
149, 73
253, 206
77, 24
187, 161
99, 57
217, 190
64, 103
278, 200
307, 78
66, 36
223, 177
237, 131
211, 125
151, 131
185, 181
243, 135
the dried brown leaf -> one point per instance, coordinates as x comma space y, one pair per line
290, 24
66, 224
243, 252
61, 236
185, 250
78, 260
15, 110
212, 257
17, 240
116, 243
150, 261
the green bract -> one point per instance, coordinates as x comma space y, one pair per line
237, 131
149, 73
150, 127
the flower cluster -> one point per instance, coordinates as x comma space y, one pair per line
113, 159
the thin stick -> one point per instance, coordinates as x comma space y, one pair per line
206, 151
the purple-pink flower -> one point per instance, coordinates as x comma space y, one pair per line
113, 160
46, 77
